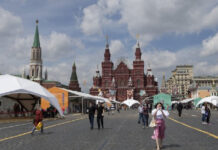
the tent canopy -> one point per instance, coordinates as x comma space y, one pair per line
130, 102
211, 99
196, 100
27, 93
87, 96
175, 102
114, 101
187, 100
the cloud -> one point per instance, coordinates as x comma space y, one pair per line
99, 16
210, 46
160, 58
59, 46
151, 18
116, 47
10, 26
204, 68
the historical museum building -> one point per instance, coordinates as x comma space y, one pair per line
116, 82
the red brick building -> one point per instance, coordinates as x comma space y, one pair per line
120, 79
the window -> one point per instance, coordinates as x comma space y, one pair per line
33, 72
37, 71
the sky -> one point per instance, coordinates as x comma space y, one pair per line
171, 33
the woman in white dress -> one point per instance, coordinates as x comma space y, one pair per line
159, 115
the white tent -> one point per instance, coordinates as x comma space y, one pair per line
130, 102
187, 100
26, 92
211, 99
88, 96
174, 102
114, 101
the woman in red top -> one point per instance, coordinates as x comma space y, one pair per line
38, 118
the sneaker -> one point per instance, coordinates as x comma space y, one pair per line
143, 127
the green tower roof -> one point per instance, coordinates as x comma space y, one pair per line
36, 42
74, 75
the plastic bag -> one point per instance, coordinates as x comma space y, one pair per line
39, 126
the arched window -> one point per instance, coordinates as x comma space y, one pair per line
138, 83
37, 71
32, 72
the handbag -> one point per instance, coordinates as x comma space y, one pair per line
39, 125
152, 123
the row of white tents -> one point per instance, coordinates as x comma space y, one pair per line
27, 93
211, 99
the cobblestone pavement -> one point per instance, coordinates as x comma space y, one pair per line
121, 132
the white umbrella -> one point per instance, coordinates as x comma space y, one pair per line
211, 99
130, 102
25, 91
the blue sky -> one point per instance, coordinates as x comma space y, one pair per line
172, 32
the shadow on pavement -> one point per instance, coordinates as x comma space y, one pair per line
170, 146
47, 133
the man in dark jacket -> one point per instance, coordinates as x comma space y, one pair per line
100, 115
91, 110
179, 109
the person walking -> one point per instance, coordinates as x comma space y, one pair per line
100, 115
38, 118
159, 115
91, 110
207, 114
203, 114
179, 109
140, 111
145, 115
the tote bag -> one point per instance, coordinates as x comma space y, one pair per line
152, 123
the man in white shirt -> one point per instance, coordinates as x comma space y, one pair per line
140, 110
203, 114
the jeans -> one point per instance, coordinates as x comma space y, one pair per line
180, 112
203, 117
91, 120
140, 117
100, 120
145, 119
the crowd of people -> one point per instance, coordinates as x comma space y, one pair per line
158, 115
